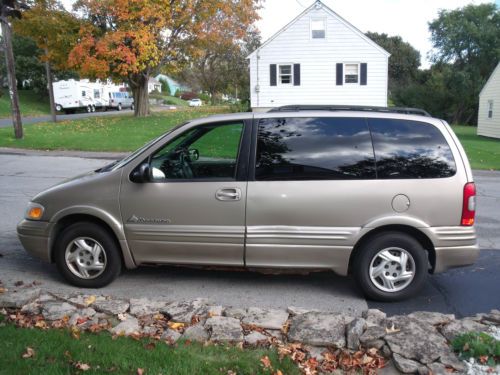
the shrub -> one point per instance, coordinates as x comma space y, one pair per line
476, 345
188, 95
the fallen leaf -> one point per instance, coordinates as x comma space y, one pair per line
266, 362
41, 324
392, 329
82, 366
19, 283
29, 353
140, 371
150, 346
483, 359
89, 300
75, 333
278, 372
2, 290
175, 325
122, 317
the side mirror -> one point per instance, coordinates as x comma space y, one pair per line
141, 174
194, 154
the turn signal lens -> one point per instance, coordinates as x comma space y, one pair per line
34, 212
469, 205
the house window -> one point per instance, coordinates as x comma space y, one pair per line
285, 74
318, 28
351, 73
490, 108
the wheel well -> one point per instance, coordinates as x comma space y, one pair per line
75, 218
415, 233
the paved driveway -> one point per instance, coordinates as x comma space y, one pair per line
462, 291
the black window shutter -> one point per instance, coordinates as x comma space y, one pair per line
273, 74
364, 73
340, 74
296, 74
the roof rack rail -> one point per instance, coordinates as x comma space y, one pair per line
362, 108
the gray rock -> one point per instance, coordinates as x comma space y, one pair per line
456, 327
235, 312
196, 333
149, 330
432, 318
406, 366
82, 300
224, 329
112, 306
372, 333
127, 327
386, 351
437, 368
451, 360
389, 369
171, 336
373, 317
45, 298
57, 310
415, 340
354, 330
145, 306
215, 310
255, 338
377, 344
32, 308
293, 310
315, 352
18, 298
184, 311
319, 329
266, 318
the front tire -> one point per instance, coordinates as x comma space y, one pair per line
87, 255
391, 266
59, 108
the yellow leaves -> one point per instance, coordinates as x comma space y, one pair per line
75, 333
89, 300
29, 353
175, 325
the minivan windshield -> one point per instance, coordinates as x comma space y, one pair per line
120, 163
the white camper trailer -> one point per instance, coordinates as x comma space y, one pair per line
72, 95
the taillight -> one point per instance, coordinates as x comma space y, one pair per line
469, 205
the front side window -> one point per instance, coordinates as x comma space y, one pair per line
203, 152
96, 94
314, 149
490, 108
410, 149
351, 73
318, 28
285, 72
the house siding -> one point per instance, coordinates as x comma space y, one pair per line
490, 127
318, 59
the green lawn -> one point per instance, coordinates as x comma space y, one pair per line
170, 99
483, 152
57, 352
110, 133
31, 104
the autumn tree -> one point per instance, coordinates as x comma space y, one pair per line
55, 32
131, 39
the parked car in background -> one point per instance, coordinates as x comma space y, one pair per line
120, 100
195, 103
383, 194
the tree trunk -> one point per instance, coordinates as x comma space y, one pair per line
139, 85
11, 77
49, 86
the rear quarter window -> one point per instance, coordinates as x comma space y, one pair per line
314, 149
410, 149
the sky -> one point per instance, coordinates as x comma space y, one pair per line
406, 18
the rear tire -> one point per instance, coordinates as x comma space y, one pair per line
59, 108
87, 255
89, 109
391, 266
119, 107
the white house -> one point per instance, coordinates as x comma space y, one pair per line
154, 84
488, 121
318, 58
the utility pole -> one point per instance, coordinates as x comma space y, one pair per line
11, 8
48, 72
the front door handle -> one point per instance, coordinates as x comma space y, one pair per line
228, 194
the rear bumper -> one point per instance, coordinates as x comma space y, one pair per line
454, 246
34, 236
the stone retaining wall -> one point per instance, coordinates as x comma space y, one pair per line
414, 343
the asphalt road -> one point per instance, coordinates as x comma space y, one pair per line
463, 291
6, 122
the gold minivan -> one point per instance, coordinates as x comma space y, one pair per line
384, 194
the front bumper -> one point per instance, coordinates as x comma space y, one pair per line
34, 236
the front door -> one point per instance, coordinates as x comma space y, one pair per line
192, 211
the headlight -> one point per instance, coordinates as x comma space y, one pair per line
34, 211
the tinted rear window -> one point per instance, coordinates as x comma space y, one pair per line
314, 149
410, 149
